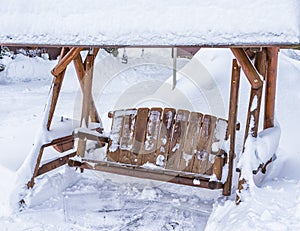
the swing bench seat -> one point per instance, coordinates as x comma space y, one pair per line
163, 144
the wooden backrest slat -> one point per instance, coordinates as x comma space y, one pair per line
113, 149
191, 141
178, 138
152, 135
126, 140
165, 135
218, 148
202, 163
139, 135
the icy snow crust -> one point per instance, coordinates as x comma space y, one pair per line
149, 22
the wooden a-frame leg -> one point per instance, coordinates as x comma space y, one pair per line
254, 79
30, 184
80, 70
56, 86
267, 67
87, 99
232, 119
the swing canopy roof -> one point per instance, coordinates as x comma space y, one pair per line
150, 23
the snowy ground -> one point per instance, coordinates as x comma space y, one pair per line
67, 200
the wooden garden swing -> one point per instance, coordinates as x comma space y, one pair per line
179, 146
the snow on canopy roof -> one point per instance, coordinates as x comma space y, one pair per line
150, 22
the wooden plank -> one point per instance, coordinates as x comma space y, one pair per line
253, 113
136, 171
86, 101
126, 141
56, 87
92, 135
54, 164
210, 142
248, 68
152, 136
261, 62
217, 148
165, 136
232, 120
219, 162
64, 146
87, 89
80, 70
140, 130
178, 138
191, 141
113, 148
271, 87
202, 161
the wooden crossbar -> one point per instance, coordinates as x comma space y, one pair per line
184, 178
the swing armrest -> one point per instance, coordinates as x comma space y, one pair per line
84, 133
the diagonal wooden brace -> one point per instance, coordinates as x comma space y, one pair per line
66, 60
250, 71
56, 86
80, 70
86, 83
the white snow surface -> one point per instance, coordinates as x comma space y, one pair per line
67, 200
149, 22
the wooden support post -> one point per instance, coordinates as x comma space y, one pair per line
271, 87
253, 114
232, 118
87, 98
56, 86
80, 70
261, 62
248, 68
